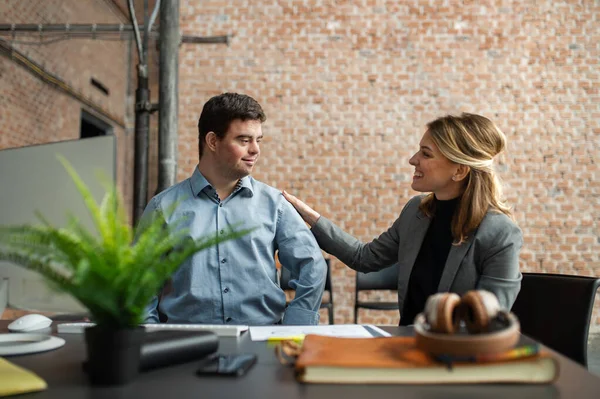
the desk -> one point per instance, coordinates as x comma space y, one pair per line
61, 368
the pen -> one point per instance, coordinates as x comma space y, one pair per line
515, 353
295, 338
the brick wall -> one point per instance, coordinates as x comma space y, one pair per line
34, 112
348, 86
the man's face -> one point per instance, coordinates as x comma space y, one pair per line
237, 153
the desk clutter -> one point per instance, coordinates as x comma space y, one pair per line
117, 359
159, 349
167, 348
467, 340
116, 356
397, 360
456, 340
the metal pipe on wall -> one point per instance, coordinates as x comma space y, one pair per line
143, 107
168, 93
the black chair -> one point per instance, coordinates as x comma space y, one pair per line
555, 310
326, 303
385, 279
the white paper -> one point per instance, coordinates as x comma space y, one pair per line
265, 333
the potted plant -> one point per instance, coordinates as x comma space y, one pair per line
113, 273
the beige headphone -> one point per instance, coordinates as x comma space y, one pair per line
489, 328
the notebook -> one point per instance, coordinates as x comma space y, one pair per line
396, 360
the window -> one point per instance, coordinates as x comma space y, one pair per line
92, 126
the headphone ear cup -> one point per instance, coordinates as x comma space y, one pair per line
478, 308
440, 312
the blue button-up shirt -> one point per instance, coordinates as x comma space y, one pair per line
235, 282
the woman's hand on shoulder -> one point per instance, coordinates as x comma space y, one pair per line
309, 215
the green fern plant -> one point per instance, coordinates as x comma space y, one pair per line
114, 273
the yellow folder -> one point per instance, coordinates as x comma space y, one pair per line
16, 380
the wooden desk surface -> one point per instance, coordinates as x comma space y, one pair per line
62, 371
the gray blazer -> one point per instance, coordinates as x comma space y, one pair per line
488, 259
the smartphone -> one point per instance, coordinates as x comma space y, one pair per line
227, 365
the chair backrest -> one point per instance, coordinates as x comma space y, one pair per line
555, 310
286, 276
384, 279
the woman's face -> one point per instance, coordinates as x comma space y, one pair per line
434, 172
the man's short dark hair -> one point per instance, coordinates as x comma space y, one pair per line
218, 113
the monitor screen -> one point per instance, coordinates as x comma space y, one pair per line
33, 179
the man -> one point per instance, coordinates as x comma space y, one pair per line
235, 282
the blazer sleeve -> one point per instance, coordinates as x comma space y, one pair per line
499, 262
378, 254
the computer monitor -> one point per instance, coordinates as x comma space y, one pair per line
33, 179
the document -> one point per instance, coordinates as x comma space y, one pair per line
274, 333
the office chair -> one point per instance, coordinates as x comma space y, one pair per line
555, 310
326, 303
385, 279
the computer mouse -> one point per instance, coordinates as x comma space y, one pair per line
30, 322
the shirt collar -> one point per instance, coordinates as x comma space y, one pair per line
245, 184
199, 183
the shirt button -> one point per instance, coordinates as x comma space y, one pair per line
228, 319
226, 290
221, 205
223, 260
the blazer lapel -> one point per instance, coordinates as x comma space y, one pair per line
415, 234
455, 257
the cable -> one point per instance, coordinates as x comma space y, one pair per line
47, 77
154, 14
138, 40
54, 37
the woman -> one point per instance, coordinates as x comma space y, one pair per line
459, 237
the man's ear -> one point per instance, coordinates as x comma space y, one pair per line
461, 172
211, 141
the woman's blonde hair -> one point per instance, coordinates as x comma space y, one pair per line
474, 141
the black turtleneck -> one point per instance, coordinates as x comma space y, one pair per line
429, 265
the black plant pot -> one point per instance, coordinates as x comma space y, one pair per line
113, 354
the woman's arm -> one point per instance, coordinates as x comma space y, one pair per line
364, 257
